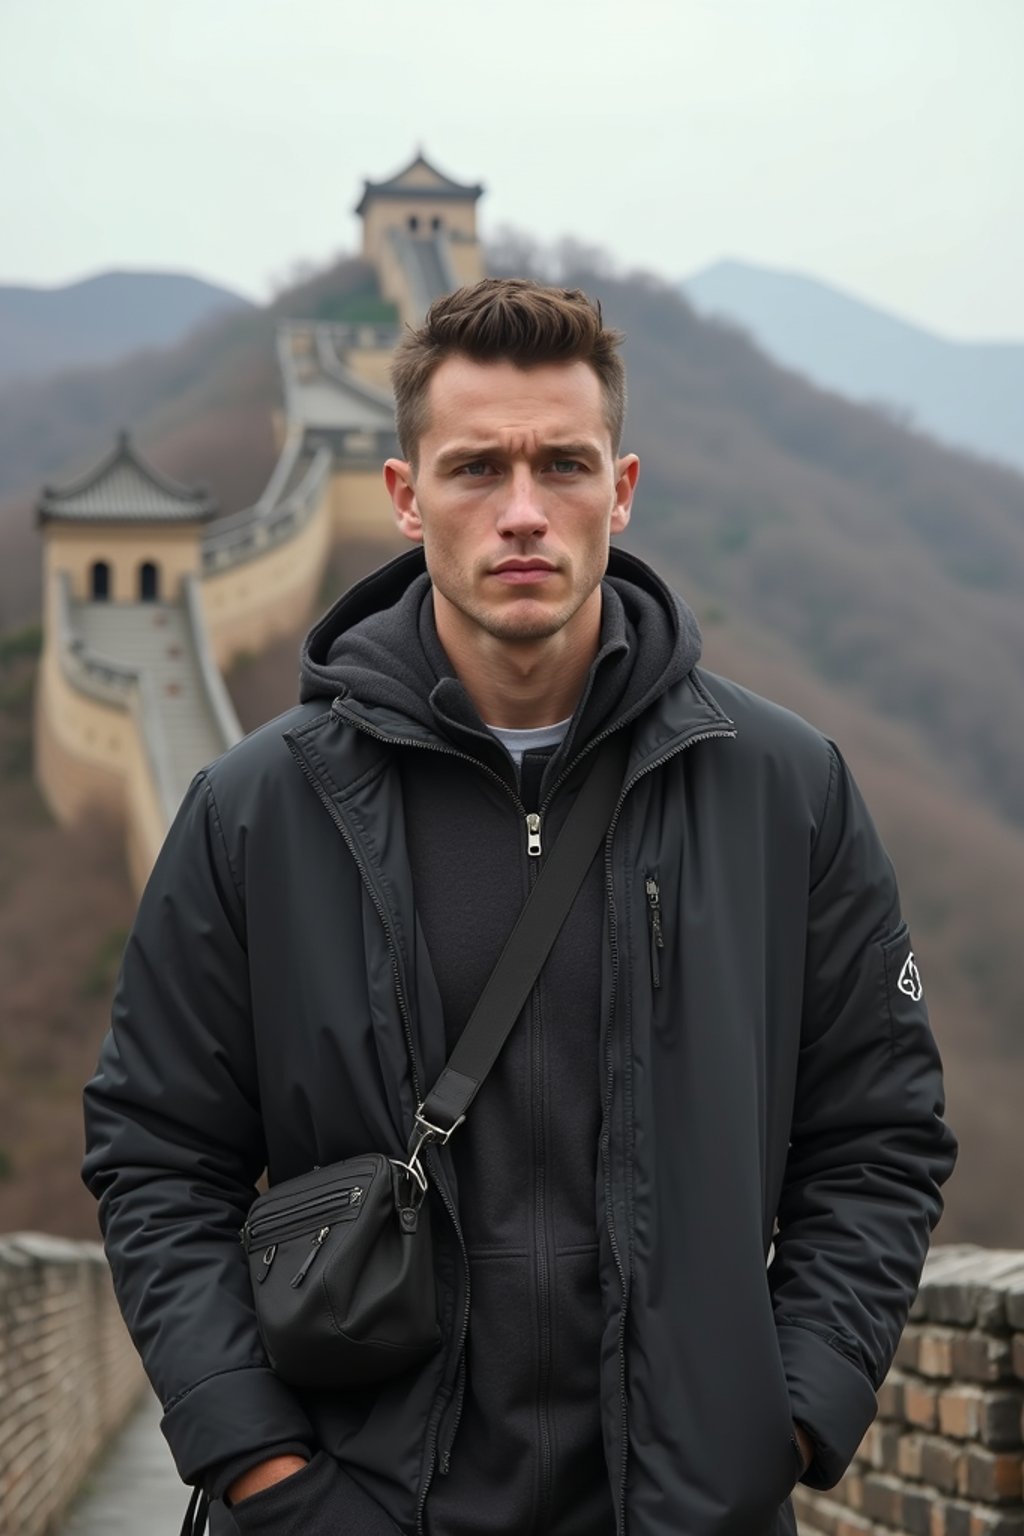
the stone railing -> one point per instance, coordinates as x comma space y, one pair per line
356, 447
367, 335
111, 682
69, 1375
248, 534
218, 699
332, 366
426, 266
126, 687
945, 1457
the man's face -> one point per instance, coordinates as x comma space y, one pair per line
515, 497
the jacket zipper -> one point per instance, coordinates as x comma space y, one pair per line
542, 1270
658, 762
657, 937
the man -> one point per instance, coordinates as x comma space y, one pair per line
722, 1049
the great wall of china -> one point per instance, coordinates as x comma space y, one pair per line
148, 597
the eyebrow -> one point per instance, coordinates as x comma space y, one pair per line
466, 453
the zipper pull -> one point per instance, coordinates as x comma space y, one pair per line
267, 1260
297, 1280
657, 937
533, 835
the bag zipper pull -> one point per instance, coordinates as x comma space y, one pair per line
533, 835
297, 1280
268, 1259
657, 937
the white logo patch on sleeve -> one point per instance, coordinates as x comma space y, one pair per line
909, 982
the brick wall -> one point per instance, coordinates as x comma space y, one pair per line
946, 1453
68, 1375
945, 1457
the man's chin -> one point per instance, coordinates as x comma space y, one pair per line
519, 626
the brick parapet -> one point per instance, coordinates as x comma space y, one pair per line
69, 1375
945, 1456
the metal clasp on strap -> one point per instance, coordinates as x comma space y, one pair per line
424, 1133
417, 1178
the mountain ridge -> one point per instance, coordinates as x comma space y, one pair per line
102, 318
967, 393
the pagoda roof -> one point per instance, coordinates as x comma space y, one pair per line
419, 179
123, 488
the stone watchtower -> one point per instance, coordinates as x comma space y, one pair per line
123, 533
419, 232
128, 704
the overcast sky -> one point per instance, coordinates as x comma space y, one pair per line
878, 144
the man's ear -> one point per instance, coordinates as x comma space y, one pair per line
627, 469
399, 481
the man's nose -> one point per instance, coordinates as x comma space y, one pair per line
522, 516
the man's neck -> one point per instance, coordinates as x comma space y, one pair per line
520, 685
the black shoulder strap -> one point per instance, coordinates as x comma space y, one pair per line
528, 946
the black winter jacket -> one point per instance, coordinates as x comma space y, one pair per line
767, 1070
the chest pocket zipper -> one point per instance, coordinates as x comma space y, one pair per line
657, 937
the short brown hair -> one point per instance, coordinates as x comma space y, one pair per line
509, 319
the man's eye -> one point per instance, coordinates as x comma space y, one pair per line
566, 466
477, 469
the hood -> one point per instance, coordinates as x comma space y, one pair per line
378, 648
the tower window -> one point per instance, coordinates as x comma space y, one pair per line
414, 222
100, 582
149, 582
435, 222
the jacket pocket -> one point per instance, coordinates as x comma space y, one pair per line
321, 1500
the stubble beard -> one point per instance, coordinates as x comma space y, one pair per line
511, 623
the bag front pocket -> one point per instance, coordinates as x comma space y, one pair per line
310, 1221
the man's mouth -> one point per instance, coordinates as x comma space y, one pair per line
523, 572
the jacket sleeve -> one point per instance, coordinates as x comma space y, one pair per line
868, 1150
173, 1149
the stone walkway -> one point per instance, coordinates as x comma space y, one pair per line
134, 1490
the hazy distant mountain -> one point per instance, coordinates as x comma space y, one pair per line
971, 394
46, 330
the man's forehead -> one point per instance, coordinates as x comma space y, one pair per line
474, 401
